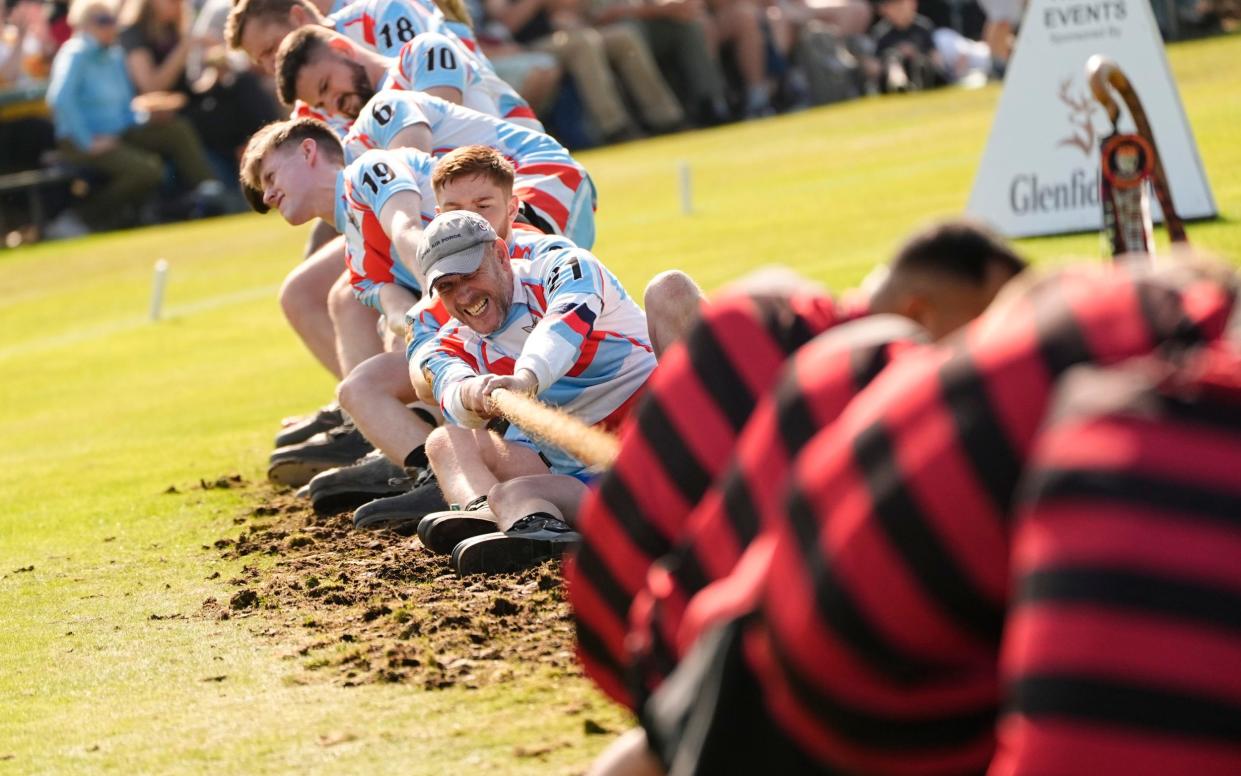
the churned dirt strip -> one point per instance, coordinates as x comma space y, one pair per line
358, 607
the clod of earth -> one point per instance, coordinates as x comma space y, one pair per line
502, 607
225, 482
592, 728
244, 599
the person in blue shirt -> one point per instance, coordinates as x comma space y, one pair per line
100, 126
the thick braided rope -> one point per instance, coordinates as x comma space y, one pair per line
591, 446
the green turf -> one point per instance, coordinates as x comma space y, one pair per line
100, 412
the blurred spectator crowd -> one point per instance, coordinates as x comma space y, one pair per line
135, 111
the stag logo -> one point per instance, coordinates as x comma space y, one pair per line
1082, 109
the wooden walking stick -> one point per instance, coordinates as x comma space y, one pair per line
1128, 162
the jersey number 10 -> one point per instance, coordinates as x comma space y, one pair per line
446, 59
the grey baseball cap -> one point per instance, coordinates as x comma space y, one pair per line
454, 244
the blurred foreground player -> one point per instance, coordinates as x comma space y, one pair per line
685, 433
863, 629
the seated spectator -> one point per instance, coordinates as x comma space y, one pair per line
536, 75
24, 38
739, 26
22, 140
847, 17
224, 107
905, 47
811, 41
98, 125
788, 18
59, 30
559, 27
999, 33
676, 31
962, 56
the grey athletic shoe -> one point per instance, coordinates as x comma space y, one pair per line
295, 465
326, 419
402, 513
496, 553
349, 487
440, 532
543, 527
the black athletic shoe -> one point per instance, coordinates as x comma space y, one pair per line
326, 419
295, 465
349, 487
495, 553
402, 513
440, 532
543, 527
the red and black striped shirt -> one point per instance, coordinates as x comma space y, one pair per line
818, 382
1122, 646
876, 601
679, 439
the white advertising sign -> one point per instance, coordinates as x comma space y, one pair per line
1040, 171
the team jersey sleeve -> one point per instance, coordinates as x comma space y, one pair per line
448, 363
573, 284
397, 22
381, 120
432, 61
370, 182
338, 124
386, 25
425, 320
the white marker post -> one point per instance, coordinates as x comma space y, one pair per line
687, 191
157, 288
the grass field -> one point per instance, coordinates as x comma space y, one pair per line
100, 412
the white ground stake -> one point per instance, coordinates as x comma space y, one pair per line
157, 288
687, 193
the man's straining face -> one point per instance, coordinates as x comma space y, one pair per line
334, 84
479, 194
480, 300
286, 178
261, 38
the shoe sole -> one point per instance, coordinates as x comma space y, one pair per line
405, 525
333, 501
296, 473
299, 431
441, 535
553, 537
499, 554
300, 434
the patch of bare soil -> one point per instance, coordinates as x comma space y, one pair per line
358, 607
